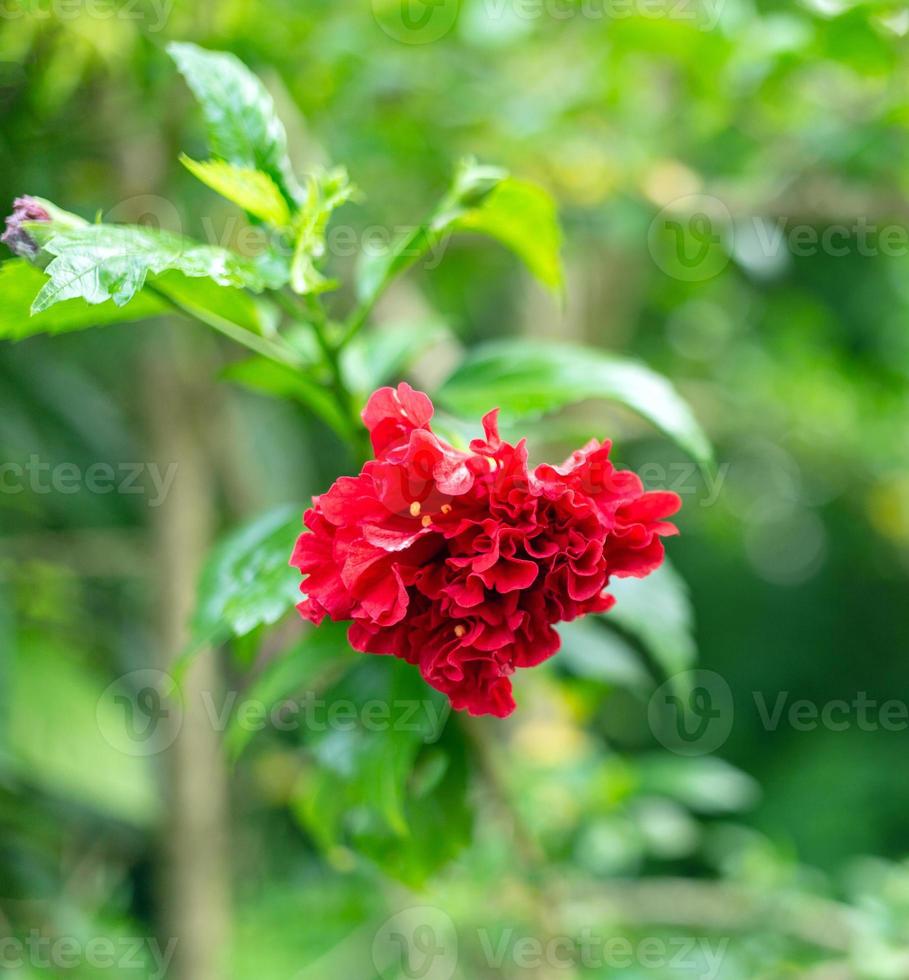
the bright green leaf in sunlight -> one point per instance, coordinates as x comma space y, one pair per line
526, 378
101, 262
20, 282
657, 611
325, 192
523, 217
486, 200
252, 190
246, 581
243, 126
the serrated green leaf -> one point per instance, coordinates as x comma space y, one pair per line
101, 262
527, 378
523, 217
657, 611
325, 192
247, 581
254, 191
20, 282
243, 126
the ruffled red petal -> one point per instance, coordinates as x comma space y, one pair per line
462, 562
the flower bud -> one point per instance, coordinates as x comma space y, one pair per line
33, 222
16, 238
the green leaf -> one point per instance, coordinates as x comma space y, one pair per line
375, 272
322, 652
481, 199
325, 192
590, 650
390, 776
253, 190
280, 381
657, 611
19, 284
705, 785
101, 262
527, 378
380, 355
523, 217
247, 581
243, 126
201, 296
438, 814
56, 732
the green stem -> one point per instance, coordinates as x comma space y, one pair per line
274, 350
356, 321
314, 314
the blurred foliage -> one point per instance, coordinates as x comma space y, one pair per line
795, 549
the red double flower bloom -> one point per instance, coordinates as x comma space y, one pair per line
461, 562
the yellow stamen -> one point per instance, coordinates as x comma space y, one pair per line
427, 520
415, 509
446, 508
459, 630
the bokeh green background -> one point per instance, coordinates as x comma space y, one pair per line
785, 116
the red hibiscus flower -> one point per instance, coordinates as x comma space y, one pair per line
461, 562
